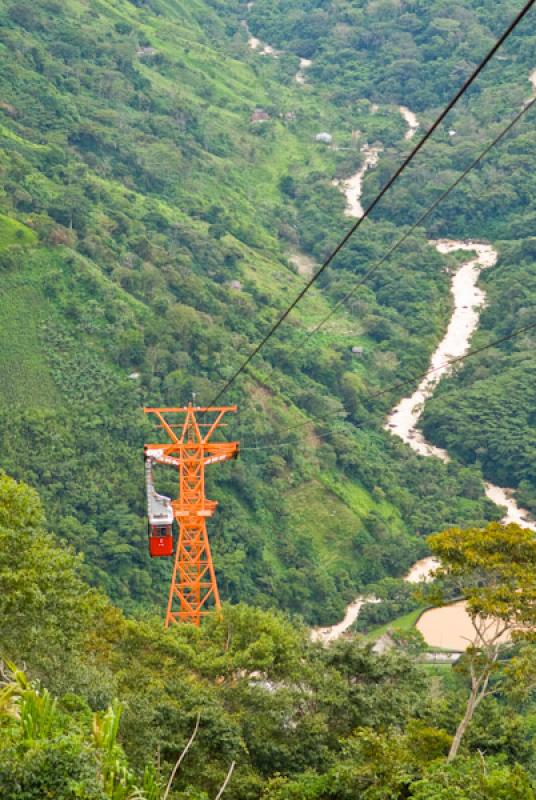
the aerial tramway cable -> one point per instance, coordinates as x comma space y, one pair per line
511, 27
399, 385
390, 252
384, 258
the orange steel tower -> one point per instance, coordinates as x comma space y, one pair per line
190, 450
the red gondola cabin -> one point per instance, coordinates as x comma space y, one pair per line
160, 517
160, 540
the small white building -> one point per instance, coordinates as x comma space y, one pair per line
324, 137
146, 52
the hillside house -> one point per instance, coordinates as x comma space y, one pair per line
260, 115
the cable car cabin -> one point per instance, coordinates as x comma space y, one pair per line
160, 516
160, 540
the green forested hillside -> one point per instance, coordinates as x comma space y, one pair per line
106, 704
136, 191
150, 227
414, 52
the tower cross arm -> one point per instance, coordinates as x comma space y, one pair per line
220, 451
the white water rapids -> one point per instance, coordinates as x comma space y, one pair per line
254, 43
411, 121
352, 187
300, 75
402, 421
332, 632
468, 300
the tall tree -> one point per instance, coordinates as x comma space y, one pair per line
494, 571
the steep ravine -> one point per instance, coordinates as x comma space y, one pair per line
468, 300
352, 188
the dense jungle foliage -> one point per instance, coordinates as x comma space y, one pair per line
106, 705
146, 230
414, 52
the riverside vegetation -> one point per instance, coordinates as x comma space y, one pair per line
146, 230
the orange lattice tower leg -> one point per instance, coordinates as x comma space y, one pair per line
193, 583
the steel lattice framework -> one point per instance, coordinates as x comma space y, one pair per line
191, 449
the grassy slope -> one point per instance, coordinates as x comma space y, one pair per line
404, 624
26, 378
